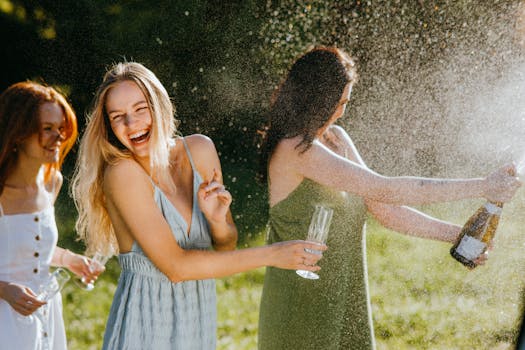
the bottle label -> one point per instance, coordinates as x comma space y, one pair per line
492, 208
470, 248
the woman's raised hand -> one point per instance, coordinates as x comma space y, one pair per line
293, 255
502, 184
214, 199
21, 298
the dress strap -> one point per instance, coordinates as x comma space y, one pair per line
1, 210
54, 181
188, 153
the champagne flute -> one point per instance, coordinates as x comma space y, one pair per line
97, 263
317, 232
53, 284
47, 289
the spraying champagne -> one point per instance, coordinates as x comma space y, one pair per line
477, 234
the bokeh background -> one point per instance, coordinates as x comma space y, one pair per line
441, 93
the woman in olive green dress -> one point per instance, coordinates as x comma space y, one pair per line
309, 161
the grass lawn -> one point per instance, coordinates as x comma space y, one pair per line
421, 297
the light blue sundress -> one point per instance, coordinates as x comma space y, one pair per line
151, 312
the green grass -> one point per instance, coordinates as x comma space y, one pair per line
421, 297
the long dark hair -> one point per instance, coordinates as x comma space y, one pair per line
19, 119
306, 99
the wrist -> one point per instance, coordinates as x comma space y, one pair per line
225, 240
217, 222
267, 256
63, 260
453, 234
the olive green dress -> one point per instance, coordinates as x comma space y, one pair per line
332, 312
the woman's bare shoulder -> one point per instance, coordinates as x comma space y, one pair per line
126, 171
122, 165
199, 143
291, 144
203, 152
54, 184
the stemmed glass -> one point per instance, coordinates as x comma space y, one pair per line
317, 232
98, 261
47, 289
53, 284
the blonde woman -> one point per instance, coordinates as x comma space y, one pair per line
160, 203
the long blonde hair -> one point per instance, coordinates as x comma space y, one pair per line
99, 147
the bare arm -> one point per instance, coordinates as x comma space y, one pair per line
413, 222
135, 215
214, 200
324, 166
402, 219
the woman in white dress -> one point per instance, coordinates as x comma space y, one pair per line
37, 129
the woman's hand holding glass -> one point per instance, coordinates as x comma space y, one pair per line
21, 298
317, 232
47, 289
293, 255
95, 266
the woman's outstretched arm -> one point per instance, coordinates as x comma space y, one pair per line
136, 217
324, 166
402, 219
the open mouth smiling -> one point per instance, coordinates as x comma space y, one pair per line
52, 148
139, 137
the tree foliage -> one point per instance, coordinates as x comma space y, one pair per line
221, 62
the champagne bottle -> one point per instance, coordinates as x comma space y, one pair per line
477, 234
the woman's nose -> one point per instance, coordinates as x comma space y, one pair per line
60, 136
130, 119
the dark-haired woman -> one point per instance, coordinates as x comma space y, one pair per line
37, 129
307, 160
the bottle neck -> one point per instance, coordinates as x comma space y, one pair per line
494, 207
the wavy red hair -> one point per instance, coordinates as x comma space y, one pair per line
19, 119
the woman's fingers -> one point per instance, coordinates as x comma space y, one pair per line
216, 189
26, 306
510, 168
298, 255
213, 178
22, 299
222, 194
212, 186
503, 184
309, 254
315, 246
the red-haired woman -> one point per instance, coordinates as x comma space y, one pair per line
37, 128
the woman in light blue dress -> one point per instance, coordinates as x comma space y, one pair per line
160, 203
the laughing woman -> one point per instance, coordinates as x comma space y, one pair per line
37, 129
159, 201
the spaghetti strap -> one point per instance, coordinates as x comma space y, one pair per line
189, 155
55, 179
1, 210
